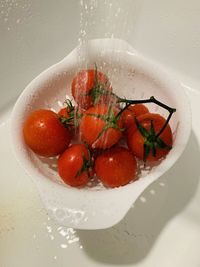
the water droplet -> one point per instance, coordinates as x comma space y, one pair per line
63, 232
63, 245
52, 237
152, 192
18, 20
49, 229
76, 239
143, 199
34, 236
6, 19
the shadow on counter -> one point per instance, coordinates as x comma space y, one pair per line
132, 239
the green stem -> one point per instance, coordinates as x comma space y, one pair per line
152, 99
165, 125
121, 111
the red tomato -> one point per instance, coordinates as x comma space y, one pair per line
98, 128
85, 86
129, 114
67, 113
64, 112
155, 147
74, 165
45, 134
66, 117
70, 116
116, 167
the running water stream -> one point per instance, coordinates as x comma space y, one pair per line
105, 19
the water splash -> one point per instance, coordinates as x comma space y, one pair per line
10, 9
103, 19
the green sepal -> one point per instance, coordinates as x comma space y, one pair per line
153, 148
152, 130
151, 141
146, 152
162, 144
142, 130
87, 164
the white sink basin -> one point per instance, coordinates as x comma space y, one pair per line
162, 229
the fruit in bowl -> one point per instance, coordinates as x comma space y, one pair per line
130, 76
96, 121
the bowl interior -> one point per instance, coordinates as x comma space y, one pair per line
130, 78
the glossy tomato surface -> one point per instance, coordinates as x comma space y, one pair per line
98, 129
85, 86
136, 140
116, 167
64, 112
129, 114
73, 165
45, 134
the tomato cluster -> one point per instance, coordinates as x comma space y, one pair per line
99, 121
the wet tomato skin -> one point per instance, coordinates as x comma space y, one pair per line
92, 124
84, 82
45, 134
139, 109
129, 114
116, 167
71, 162
135, 139
64, 112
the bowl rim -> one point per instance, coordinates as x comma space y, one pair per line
130, 57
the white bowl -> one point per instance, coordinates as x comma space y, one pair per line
132, 76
